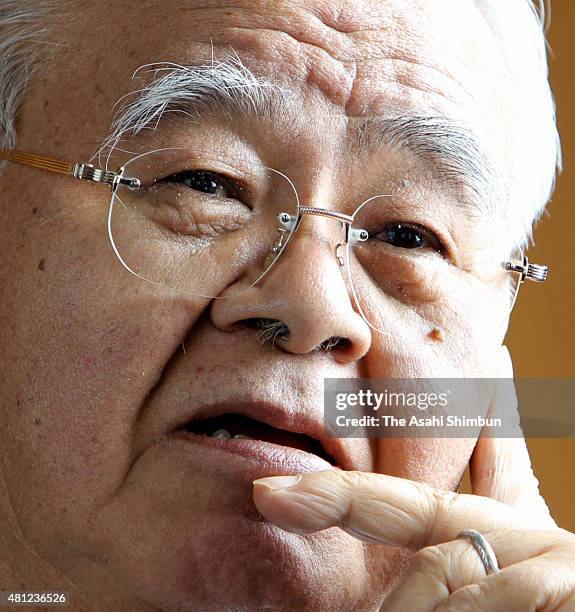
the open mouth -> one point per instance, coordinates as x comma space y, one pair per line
232, 426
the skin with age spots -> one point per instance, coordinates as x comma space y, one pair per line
437, 334
128, 521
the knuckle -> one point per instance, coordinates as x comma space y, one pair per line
470, 597
444, 501
540, 584
437, 505
559, 590
431, 560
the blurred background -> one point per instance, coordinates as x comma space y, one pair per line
542, 332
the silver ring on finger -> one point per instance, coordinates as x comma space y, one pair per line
483, 548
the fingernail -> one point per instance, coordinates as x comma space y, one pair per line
278, 482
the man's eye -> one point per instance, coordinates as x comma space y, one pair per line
203, 181
408, 237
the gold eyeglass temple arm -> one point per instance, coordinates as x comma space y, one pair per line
84, 172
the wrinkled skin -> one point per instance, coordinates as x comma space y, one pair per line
90, 503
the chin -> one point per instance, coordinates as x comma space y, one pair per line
250, 565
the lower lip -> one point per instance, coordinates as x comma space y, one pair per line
259, 453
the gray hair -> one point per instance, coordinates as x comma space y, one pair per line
537, 155
25, 27
185, 90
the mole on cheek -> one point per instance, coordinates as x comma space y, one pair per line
41, 265
437, 335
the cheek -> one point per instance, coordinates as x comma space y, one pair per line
456, 349
437, 462
85, 344
454, 332
431, 352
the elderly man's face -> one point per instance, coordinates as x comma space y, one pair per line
95, 377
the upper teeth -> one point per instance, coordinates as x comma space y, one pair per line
222, 433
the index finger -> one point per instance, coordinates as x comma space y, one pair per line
379, 508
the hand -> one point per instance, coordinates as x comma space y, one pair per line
536, 558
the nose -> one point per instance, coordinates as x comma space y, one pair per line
307, 292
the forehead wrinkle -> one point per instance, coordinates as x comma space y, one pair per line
333, 27
309, 64
325, 43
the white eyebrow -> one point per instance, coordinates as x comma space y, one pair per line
227, 86
453, 150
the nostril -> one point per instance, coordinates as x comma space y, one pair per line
333, 343
269, 330
272, 330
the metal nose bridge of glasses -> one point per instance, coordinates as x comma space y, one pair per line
288, 223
